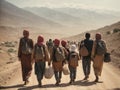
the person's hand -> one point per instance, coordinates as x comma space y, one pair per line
32, 62
92, 58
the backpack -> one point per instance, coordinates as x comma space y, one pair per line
25, 48
83, 50
73, 59
50, 47
39, 52
50, 44
100, 48
59, 54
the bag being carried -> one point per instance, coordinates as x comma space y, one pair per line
48, 72
107, 57
39, 52
100, 48
83, 50
66, 70
59, 54
73, 60
26, 49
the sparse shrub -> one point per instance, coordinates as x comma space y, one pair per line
108, 32
11, 50
116, 30
9, 44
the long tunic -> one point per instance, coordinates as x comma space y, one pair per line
57, 65
26, 60
97, 60
40, 64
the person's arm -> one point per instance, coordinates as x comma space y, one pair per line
19, 49
47, 55
93, 50
80, 45
105, 45
31, 43
78, 56
33, 54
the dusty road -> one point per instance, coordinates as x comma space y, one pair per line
110, 80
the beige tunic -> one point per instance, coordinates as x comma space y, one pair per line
97, 61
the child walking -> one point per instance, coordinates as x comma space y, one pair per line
73, 58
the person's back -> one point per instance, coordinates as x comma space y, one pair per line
88, 43
86, 59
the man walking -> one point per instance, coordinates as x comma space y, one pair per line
24, 55
85, 53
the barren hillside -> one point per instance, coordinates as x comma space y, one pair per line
111, 37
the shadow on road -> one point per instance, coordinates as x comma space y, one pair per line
84, 83
13, 86
22, 87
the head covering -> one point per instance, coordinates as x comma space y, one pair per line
73, 48
98, 36
87, 35
56, 42
63, 43
40, 40
26, 33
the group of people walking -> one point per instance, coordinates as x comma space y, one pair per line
58, 53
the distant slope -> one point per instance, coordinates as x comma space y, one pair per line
102, 30
54, 15
77, 18
92, 18
11, 15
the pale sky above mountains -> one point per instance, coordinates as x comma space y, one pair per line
113, 5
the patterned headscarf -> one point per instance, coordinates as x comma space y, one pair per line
40, 40
98, 36
63, 43
56, 42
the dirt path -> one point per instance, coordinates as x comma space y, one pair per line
110, 80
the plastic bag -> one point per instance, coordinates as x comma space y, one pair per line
48, 72
66, 70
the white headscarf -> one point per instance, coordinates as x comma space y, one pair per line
73, 48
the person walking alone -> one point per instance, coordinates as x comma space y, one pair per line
25, 55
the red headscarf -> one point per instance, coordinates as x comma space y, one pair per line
63, 43
56, 42
98, 36
40, 40
26, 33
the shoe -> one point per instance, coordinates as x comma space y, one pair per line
70, 82
26, 82
40, 84
97, 79
73, 80
57, 83
86, 77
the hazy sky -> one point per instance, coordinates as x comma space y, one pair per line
87, 4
